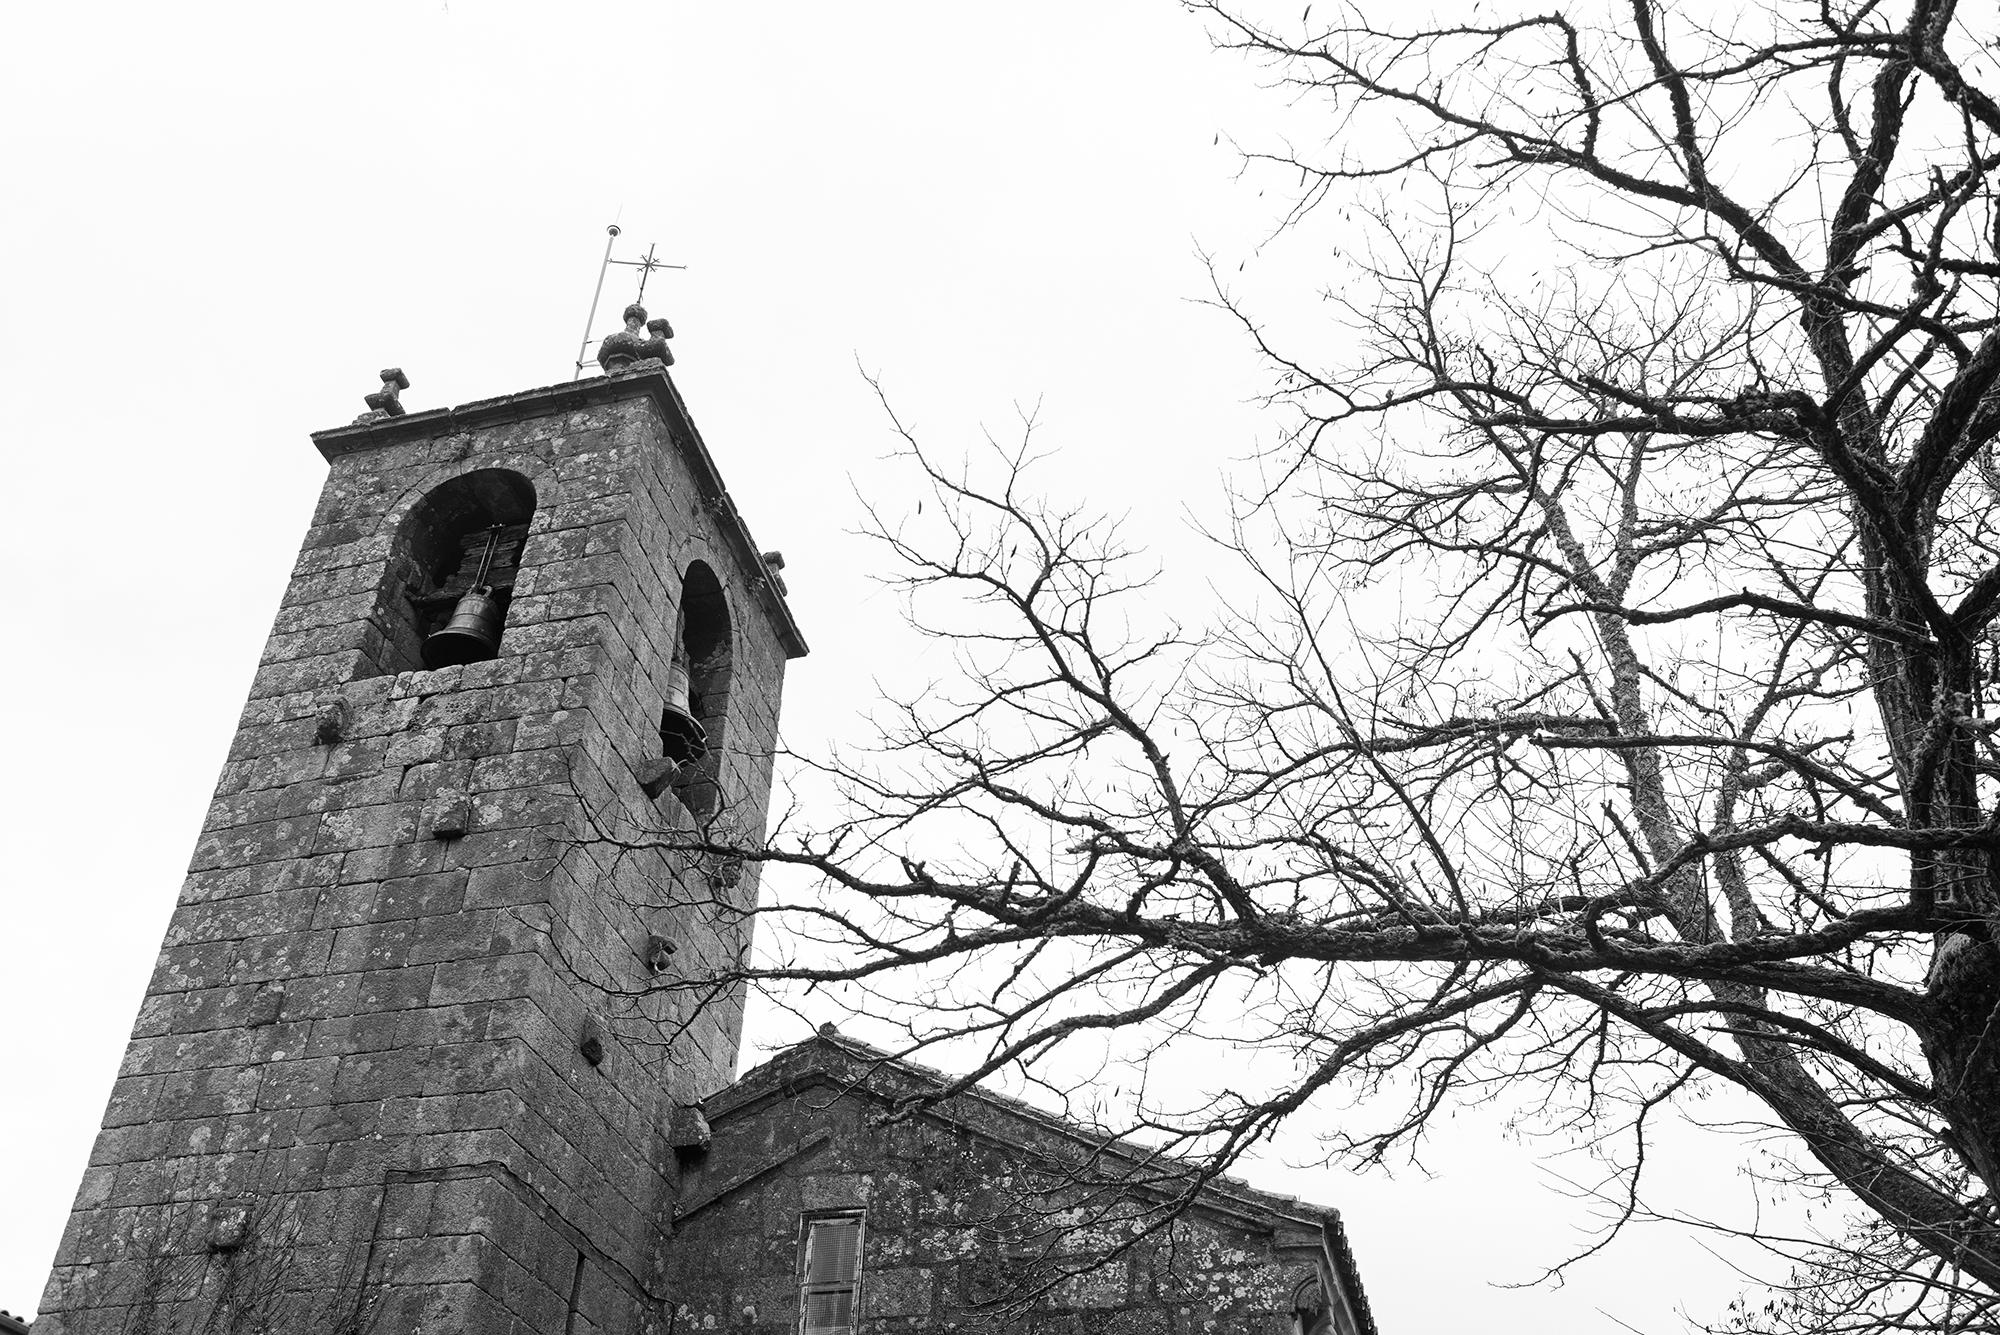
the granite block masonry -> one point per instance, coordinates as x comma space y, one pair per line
411, 1061
980, 1214
356, 1096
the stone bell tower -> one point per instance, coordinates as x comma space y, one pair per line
413, 1051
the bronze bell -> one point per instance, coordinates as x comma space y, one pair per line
682, 738
471, 636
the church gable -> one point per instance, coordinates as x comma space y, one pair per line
809, 1213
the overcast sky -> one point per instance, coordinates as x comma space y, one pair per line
221, 222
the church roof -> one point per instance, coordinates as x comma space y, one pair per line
832, 1060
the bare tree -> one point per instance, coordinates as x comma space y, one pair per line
1608, 718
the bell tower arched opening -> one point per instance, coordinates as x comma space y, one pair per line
695, 719
450, 576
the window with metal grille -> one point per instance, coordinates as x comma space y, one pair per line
830, 1273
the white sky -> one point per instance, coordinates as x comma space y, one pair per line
221, 221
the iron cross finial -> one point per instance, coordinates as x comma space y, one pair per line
645, 266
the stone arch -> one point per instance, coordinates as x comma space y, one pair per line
435, 560
705, 645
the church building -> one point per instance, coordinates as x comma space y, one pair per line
412, 1061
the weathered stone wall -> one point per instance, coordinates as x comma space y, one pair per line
364, 1027
968, 1213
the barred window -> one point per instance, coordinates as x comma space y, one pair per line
830, 1273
